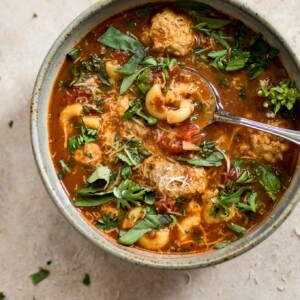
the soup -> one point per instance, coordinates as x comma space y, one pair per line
129, 133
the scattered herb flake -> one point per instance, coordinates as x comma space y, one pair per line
39, 276
10, 123
86, 279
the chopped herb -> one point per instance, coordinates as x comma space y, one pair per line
2, 296
107, 222
150, 222
212, 23
251, 204
64, 166
88, 154
126, 172
214, 160
219, 246
260, 56
135, 110
127, 193
86, 110
279, 97
236, 228
130, 156
268, 179
238, 62
100, 175
88, 135
198, 240
64, 83
74, 54
49, 262
86, 279
34, 16
10, 123
39, 276
149, 198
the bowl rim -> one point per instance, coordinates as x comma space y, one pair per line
186, 261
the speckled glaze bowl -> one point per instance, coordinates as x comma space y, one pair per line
39, 134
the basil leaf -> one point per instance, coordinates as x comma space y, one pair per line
238, 62
74, 54
212, 23
135, 109
102, 75
228, 200
236, 228
133, 62
128, 81
150, 222
268, 178
217, 37
39, 276
118, 40
214, 160
88, 202
101, 173
149, 61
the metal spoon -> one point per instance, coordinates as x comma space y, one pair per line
221, 115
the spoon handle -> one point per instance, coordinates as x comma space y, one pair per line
291, 135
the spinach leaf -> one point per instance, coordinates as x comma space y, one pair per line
94, 201
102, 173
39, 276
135, 109
260, 56
74, 54
130, 156
133, 62
238, 62
212, 23
107, 222
150, 222
214, 160
118, 40
268, 179
128, 81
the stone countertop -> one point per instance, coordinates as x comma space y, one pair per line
32, 231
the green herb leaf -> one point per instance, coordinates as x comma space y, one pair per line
94, 201
135, 109
74, 54
236, 228
118, 40
214, 160
212, 23
279, 97
39, 276
133, 62
128, 81
65, 168
107, 222
10, 123
126, 172
150, 222
129, 192
238, 62
2, 296
268, 179
86, 279
101, 173
251, 203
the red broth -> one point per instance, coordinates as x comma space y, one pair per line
143, 169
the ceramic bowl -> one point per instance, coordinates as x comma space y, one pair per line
39, 133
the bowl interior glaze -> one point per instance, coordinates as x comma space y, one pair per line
39, 134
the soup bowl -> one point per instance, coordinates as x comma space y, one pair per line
40, 137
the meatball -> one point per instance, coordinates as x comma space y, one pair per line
170, 33
90, 154
172, 179
266, 146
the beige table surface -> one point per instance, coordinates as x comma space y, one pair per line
32, 231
